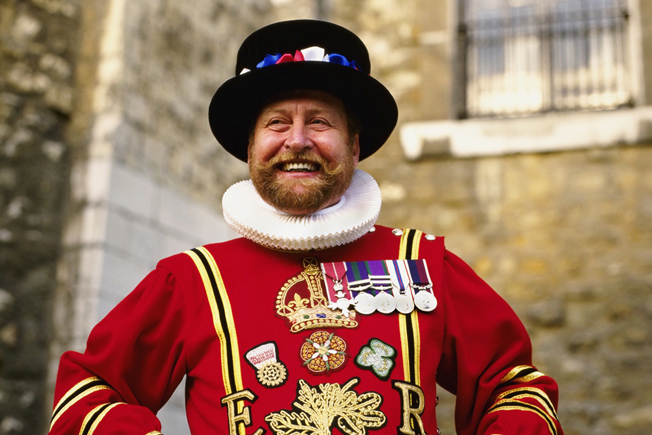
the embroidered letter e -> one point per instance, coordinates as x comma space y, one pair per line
243, 414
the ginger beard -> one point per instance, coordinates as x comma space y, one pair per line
302, 195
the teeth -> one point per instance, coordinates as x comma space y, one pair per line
307, 167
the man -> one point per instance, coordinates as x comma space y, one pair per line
316, 321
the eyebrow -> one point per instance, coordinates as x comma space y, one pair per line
283, 111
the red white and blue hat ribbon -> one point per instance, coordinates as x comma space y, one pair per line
311, 54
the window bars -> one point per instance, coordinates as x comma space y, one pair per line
523, 57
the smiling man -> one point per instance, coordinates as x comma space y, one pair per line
316, 321
302, 152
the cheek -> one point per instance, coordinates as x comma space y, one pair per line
339, 149
267, 145
260, 151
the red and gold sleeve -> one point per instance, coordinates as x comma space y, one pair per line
487, 361
133, 362
526, 399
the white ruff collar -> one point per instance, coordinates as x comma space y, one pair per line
349, 219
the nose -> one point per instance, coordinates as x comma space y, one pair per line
298, 138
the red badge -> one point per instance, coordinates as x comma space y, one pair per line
323, 352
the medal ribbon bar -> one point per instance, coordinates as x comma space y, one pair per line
357, 276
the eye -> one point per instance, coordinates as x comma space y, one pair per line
276, 123
320, 122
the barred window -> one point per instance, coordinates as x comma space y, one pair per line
521, 57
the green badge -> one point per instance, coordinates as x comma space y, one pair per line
377, 357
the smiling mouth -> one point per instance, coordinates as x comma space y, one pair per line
299, 167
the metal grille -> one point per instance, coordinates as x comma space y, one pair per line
525, 57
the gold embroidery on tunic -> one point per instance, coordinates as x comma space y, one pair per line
319, 409
272, 374
303, 304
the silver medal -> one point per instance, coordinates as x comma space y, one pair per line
404, 303
365, 303
385, 303
425, 301
343, 303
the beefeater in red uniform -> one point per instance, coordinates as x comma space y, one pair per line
317, 320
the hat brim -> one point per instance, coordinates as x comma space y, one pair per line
238, 101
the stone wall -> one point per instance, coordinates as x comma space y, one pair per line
175, 56
36, 78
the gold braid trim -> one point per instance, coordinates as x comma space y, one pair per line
532, 393
409, 330
94, 417
521, 374
223, 322
514, 405
75, 394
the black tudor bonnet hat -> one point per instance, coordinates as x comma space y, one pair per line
301, 55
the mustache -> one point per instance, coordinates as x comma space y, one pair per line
312, 193
324, 165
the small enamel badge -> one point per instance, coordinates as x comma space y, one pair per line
377, 357
323, 352
271, 372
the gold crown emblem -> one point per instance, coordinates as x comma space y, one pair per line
303, 305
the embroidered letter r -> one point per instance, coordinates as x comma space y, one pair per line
413, 403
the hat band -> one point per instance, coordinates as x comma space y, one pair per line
315, 54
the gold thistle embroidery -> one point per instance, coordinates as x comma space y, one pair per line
319, 409
303, 304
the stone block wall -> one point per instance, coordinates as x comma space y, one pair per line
36, 97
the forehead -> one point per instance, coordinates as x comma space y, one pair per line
306, 100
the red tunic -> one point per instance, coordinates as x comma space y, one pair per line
198, 317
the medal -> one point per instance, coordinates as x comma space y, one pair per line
401, 286
365, 303
378, 275
381, 283
421, 285
385, 303
404, 303
425, 301
359, 282
270, 372
338, 295
383, 286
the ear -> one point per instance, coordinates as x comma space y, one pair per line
250, 148
355, 150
